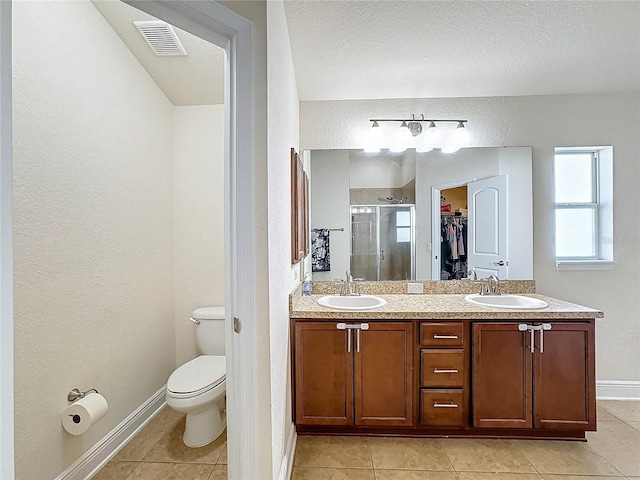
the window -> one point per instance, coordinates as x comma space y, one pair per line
583, 208
403, 227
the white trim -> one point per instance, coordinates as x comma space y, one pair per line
215, 23
6, 250
97, 456
618, 390
575, 265
287, 460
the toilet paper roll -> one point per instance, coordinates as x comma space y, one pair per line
80, 415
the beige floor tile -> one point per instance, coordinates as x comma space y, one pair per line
328, 451
408, 454
579, 477
414, 475
171, 448
635, 425
323, 473
219, 473
627, 410
115, 470
145, 439
486, 455
498, 476
223, 456
171, 471
619, 444
603, 414
565, 457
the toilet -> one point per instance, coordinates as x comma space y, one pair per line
198, 387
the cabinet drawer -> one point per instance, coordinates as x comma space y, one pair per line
442, 367
444, 334
442, 408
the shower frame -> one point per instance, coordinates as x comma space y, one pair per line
412, 241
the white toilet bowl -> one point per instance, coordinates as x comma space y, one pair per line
198, 388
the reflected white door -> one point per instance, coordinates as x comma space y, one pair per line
487, 243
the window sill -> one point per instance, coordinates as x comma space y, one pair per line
574, 265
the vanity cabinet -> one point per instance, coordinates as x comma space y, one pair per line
353, 373
443, 374
534, 375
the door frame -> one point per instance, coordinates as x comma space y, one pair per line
224, 28
435, 222
6, 249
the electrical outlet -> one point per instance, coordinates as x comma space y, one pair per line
415, 287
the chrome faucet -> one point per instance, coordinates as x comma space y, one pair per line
349, 287
491, 287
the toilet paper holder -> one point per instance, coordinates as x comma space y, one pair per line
76, 394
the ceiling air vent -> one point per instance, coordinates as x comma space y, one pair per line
161, 37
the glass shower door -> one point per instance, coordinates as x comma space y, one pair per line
382, 242
364, 242
396, 242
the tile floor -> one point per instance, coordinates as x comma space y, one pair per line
158, 453
613, 452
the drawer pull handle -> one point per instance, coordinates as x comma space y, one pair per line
445, 370
439, 337
444, 405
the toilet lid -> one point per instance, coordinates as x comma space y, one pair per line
198, 375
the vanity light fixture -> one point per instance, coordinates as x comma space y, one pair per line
410, 128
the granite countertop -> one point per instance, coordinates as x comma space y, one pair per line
436, 307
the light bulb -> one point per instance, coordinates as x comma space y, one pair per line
450, 148
461, 135
402, 140
433, 137
374, 142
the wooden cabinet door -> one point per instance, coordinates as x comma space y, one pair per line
501, 378
323, 375
384, 374
564, 377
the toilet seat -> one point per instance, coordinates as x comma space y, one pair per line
197, 376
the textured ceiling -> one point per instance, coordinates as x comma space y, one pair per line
420, 49
197, 79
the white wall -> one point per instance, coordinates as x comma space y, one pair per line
283, 277
93, 229
330, 207
380, 170
543, 122
198, 218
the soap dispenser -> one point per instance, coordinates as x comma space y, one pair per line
307, 285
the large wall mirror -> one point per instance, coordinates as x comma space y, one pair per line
421, 216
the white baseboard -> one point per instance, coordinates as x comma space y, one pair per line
95, 458
287, 460
618, 390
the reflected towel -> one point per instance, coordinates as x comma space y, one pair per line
320, 257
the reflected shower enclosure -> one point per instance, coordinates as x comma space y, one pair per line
383, 242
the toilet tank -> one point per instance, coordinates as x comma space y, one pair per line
210, 330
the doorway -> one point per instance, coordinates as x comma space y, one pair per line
220, 26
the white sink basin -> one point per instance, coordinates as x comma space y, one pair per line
517, 302
355, 302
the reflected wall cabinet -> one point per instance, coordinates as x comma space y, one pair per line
299, 210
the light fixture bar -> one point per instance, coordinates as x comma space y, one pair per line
414, 120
